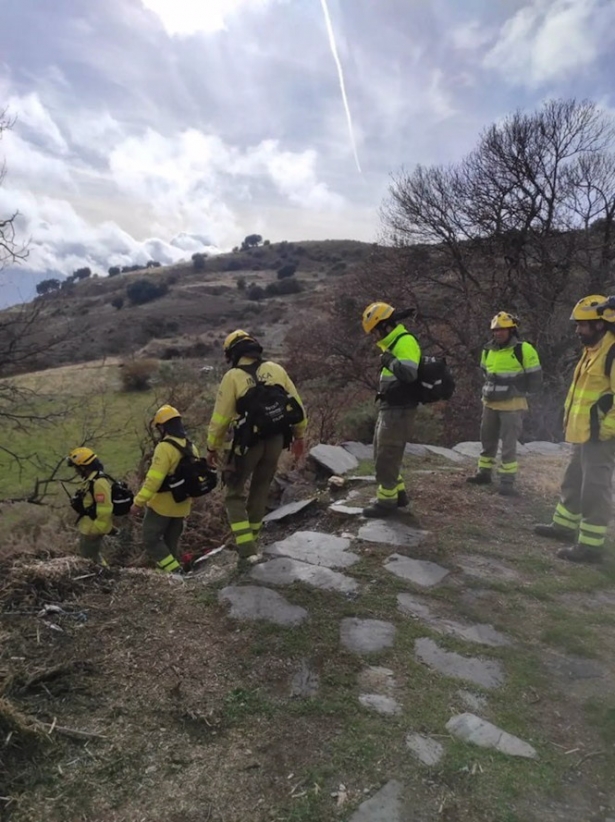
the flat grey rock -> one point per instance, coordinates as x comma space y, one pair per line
344, 510
305, 682
360, 450
385, 705
573, 668
314, 548
289, 510
487, 568
250, 602
377, 680
545, 449
391, 533
484, 672
480, 634
285, 571
474, 702
415, 449
334, 458
471, 728
473, 449
384, 806
427, 750
447, 453
419, 571
366, 636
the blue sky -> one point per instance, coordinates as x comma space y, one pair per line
158, 127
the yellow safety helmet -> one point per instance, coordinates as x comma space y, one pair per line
375, 313
81, 456
164, 414
504, 320
234, 337
587, 309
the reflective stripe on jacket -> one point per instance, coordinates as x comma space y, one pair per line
588, 410
164, 462
507, 380
97, 491
403, 370
234, 385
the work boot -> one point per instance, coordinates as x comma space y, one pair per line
581, 553
480, 478
377, 511
558, 532
507, 489
403, 500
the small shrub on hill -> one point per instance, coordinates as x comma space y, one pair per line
117, 302
144, 291
136, 375
286, 271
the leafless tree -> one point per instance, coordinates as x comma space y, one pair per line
526, 223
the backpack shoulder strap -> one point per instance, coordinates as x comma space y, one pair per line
518, 352
609, 360
398, 338
183, 450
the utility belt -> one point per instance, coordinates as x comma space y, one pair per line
399, 394
493, 390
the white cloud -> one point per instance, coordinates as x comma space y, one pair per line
548, 40
471, 36
186, 17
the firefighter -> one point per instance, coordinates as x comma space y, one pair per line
92, 502
164, 518
582, 515
400, 358
511, 370
253, 455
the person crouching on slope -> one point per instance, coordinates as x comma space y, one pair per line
164, 518
512, 370
584, 510
92, 502
400, 358
258, 401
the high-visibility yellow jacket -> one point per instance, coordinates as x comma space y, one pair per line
508, 378
96, 492
402, 371
589, 412
234, 385
164, 462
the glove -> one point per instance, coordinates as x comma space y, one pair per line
386, 358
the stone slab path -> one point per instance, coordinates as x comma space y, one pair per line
315, 548
486, 673
421, 572
383, 806
284, 571
252, 602
471, 728
366, 636
391, 533
480, 634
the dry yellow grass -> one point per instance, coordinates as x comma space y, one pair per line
76, 380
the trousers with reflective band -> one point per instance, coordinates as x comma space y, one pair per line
161, 537
393, 430
586, 492
246, 511
496, 426
589, 386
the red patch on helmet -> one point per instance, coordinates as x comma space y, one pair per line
99, 497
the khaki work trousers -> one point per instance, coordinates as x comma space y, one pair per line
505, 426
393, 430
258, 465
161, 537
90, 547
586, 493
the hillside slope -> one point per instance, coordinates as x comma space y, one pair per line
96, 318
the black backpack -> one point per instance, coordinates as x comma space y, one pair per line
192, 478
122, 498
265, 411
434, 381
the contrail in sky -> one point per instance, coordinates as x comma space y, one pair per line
333, 44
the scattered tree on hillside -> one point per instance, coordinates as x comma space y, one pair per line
153, 264
114, 271
48, 286
251, 241
82, 273
117, 302
10, 250
199, 261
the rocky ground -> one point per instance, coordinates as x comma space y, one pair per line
441, 665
